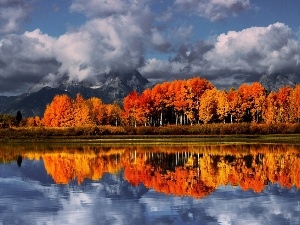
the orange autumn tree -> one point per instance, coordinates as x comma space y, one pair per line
65, 112
132, 112
284, 104
179, 100
295, 103
147, 106
59, 113
196, 87
253, 97
160, 99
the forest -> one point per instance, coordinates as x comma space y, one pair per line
180, 102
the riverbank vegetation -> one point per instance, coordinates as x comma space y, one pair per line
247, 132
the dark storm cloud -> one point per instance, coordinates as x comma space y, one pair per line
12, 14
24, 61
212, 9
101, 8
192, 53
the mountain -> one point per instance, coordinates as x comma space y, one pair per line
113, 87
5, 101
272, 82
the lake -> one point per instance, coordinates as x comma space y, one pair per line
167, 183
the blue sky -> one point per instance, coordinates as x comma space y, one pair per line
229, 42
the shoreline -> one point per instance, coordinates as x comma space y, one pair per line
211, 133
155, 139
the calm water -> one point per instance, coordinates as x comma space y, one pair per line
159, 184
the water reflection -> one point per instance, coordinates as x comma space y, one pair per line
19, 160
216, 184
180, 170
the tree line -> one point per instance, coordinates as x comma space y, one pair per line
180, 102
196, 100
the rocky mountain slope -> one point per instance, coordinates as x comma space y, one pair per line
113, 87
272, 82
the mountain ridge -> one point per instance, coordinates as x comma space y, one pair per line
273, 82
115, 87
111, 87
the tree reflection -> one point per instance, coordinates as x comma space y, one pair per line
179, 170
19, 160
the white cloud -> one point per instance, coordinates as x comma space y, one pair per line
101, 45
41, 46
160, 70
119, 42
237, 56
213, 9
158, 41
258, 49
115, 42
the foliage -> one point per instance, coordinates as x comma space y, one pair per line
66, 112
194, 104
7, 120
196, 101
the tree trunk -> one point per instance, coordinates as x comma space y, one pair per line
161, 118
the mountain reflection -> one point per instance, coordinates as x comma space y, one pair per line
179, 170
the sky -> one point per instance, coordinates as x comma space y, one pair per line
228, 42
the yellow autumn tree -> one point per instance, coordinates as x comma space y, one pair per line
82, 115
235, 110
222, 106
208, 105
270, 109
113, 114
97, 110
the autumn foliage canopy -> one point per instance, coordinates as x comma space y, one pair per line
180, 102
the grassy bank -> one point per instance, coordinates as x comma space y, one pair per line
280, 133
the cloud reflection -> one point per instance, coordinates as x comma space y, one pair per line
28, 198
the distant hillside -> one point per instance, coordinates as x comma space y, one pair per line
114, 87
272, 82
